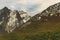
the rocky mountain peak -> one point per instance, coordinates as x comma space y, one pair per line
5, 8
10, 20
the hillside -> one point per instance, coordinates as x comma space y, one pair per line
36, 31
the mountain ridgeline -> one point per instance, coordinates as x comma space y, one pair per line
52, 13
9, 20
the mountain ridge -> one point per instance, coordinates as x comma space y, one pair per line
53, 10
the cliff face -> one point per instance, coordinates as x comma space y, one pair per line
10, 20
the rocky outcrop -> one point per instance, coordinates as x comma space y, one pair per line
10, 20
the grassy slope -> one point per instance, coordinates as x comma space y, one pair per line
36, 31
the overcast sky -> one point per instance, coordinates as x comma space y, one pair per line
31, 6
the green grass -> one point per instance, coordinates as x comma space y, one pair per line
36, 31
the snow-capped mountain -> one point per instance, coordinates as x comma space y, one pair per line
10, 20
51, 12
